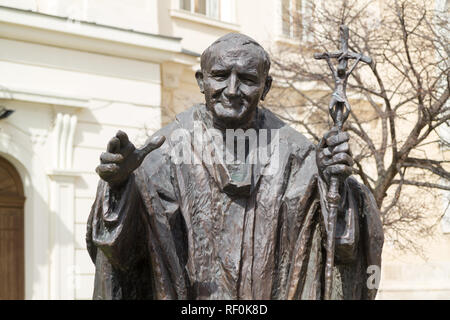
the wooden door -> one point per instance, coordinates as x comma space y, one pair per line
12, 284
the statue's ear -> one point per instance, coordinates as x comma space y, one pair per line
199, 77
267, 86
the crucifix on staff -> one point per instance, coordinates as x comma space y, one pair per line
339, 109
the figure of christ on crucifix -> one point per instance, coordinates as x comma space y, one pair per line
340, 75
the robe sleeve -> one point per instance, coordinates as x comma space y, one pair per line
359, 240
135, 235
116, 243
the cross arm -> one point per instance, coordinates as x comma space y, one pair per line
338, 54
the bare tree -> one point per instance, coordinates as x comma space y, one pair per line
399, 101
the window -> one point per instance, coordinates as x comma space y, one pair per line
291, 18
217, 9
295, 18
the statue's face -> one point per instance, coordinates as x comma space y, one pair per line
233, 81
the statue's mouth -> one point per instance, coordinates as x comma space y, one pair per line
231, 106
236, 104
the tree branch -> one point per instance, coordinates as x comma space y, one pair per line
422, 184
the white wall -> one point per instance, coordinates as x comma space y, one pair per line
112, 93
138, 15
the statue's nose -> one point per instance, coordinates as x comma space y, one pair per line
233, 86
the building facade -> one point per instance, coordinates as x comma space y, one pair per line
73, 73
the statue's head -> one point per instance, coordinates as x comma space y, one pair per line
234, 77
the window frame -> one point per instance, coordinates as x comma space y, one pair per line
206, 14
299, 32
292, 11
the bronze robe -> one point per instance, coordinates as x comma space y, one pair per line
189, 231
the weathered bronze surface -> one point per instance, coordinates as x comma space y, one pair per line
161, 228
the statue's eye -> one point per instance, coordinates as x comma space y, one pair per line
220, 76
249, 80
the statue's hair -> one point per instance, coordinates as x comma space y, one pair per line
236, 39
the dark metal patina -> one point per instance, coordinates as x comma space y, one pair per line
161, 229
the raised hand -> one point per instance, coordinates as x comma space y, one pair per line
122, 158
334, 157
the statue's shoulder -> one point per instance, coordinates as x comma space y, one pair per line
286, 132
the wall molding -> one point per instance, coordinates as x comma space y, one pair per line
62, 32
36, 96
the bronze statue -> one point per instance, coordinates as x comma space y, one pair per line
202, 219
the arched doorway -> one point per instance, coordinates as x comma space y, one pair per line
12, 200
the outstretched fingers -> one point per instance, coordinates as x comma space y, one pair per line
153, 144
107, 170
126, 147
123, 137
107, 157
113, 145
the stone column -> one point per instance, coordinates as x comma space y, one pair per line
62, 208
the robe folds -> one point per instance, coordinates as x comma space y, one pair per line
202, 230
